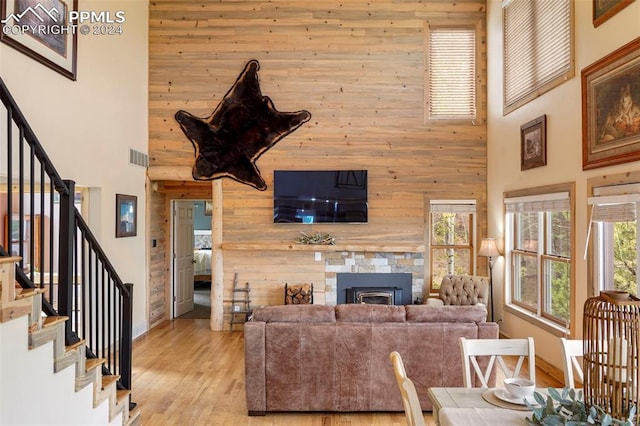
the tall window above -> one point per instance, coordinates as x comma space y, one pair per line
451, 62
451, 249
539, 246
538, 48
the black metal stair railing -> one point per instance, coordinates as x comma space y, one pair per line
57, 250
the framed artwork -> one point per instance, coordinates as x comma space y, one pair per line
533, 143
41, 29
126, 215
611, 108
605, 9
208, 208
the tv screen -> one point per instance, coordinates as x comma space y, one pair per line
320, 196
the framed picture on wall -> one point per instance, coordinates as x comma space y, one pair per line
605, 9
611, 108
533, 143
42, 30
126, 215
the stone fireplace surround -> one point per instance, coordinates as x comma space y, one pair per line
373, 262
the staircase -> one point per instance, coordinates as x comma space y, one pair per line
47, 372
60, 294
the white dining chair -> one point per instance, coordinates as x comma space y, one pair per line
491, 352
572, 353
412, 408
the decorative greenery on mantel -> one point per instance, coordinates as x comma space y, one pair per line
569, 409
317, 238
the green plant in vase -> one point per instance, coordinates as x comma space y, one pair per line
568, 408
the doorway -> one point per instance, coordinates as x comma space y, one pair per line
191, 259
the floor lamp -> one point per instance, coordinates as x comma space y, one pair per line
488, 249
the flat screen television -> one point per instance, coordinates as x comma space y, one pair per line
320, 196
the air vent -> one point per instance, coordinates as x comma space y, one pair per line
138, 158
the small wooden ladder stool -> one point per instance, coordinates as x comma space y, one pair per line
240, 303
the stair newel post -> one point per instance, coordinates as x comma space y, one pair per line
65, 268
126, 363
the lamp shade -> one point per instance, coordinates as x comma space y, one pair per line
488, 248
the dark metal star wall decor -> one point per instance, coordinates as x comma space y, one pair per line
242, 127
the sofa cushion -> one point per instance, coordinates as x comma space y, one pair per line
295, 313
447, 313
358, 312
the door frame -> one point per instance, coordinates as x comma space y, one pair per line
172, 259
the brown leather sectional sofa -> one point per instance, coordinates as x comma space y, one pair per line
336, 358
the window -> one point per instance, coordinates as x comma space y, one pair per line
451, 70
539, 249
451, 249
538, 48
615, 229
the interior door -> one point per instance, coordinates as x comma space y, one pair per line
183, 257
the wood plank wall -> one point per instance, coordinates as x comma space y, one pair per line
358, 67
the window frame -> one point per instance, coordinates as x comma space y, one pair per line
452, 204
600, 232
477, 26
537, 85
539, 316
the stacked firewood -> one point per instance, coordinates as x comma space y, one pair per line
298, 294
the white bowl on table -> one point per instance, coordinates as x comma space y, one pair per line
520, 388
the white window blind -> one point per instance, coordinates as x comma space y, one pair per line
611, 209
451, 72
614, 208
538, 48
449, 206
558, 201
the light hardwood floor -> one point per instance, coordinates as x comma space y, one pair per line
186, 374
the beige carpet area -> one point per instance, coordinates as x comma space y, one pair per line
201, 302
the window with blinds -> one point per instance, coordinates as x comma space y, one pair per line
538, 48
615, 250
451, 58
539, 237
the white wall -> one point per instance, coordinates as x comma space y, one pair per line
32, 394
87, 126
564, 147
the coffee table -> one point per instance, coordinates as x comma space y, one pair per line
467, 406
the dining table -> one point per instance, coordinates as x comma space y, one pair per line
479, 406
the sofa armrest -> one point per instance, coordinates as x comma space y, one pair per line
255, 368
488, 330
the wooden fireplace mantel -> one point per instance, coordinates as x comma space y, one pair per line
388, 247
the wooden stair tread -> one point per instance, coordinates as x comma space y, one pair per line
92, 363
53, 320
122, 394
74, 345
109, 379
10, 259
134, 417
23, 293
